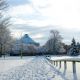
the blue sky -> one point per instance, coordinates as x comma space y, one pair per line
38, 17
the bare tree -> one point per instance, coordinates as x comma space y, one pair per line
4, 37
3, 4
54, 43
4, 30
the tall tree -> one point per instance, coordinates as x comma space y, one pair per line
54, 42
73, 49
4, 30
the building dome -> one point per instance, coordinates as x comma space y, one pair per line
28, 40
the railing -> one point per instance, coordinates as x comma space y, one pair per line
57, 62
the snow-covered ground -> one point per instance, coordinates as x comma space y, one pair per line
34, 68
11, 62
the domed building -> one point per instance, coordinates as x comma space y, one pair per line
25, 44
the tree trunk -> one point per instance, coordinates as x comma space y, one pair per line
1, 50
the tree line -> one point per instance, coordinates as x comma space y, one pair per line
54, 44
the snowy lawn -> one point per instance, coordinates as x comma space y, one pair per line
35, 68
11, 62
31, 68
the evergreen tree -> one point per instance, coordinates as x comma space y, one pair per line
74, 49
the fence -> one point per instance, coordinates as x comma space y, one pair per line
57, 62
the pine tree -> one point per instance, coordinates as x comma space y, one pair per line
74, 50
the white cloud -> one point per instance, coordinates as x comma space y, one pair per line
21, 10
59, 12
18, 21
38, 36
64, 13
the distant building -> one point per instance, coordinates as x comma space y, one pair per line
27, 40
25, 44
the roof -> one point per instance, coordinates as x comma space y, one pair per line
27, 40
